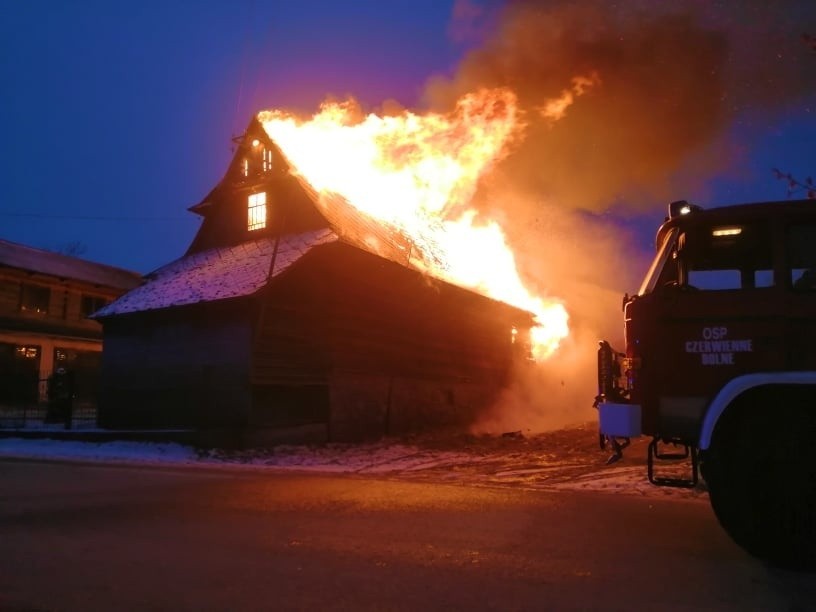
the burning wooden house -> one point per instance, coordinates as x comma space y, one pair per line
295, 316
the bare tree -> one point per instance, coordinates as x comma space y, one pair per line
73, 249
794, 184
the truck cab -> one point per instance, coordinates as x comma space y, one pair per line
720, 362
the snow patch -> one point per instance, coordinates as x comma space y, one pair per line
559, 462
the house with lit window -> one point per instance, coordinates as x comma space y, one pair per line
46, 300
294, 316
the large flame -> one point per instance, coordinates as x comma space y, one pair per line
419, 173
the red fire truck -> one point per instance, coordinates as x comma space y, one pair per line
719, 368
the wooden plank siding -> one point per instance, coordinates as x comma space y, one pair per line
64, 316
9, 296
183, 367
344, 309
369, 406
398, 351
290, 349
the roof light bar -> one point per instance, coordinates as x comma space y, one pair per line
681, 207
727, 231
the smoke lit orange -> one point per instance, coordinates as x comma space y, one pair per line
418, 173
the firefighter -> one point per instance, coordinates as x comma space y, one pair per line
60, 397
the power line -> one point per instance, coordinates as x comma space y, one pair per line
36, 215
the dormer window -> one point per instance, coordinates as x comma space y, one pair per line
256, 211
258, 159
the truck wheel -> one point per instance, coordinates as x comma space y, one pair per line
761, 476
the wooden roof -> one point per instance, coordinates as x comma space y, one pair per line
64, 267
211, 271
217, 274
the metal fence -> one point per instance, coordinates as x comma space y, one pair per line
41, 415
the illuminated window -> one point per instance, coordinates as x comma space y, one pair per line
27, 352
257, 160
34, 298
256, 211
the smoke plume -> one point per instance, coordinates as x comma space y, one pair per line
671, 78
627, 105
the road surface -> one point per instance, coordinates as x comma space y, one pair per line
98, 537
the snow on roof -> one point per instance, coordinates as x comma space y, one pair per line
22, 257
216, 274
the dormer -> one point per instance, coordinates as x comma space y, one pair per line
257, 160
257, 198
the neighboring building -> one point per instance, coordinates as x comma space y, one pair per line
45, 301
296, 315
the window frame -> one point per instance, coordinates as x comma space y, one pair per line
97, 302
256, 211
30, 304
731, 269
799, 273
659, 263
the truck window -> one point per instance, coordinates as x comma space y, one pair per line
726, 257
801, 252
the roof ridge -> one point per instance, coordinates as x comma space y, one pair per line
71, 258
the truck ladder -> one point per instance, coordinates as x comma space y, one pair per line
688, 453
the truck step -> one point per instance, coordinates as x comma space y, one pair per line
672, 451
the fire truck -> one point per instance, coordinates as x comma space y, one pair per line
719, 369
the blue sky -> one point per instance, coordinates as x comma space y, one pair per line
117, 116
126, 109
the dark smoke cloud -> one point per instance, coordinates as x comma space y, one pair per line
673, 76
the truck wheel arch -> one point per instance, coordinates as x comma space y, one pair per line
742, 384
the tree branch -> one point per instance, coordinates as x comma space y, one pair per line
795, 185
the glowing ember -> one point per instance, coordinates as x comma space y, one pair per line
418, 173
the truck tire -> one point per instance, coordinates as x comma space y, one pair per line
761, 475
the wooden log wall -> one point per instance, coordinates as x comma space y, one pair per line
184, 367
356, 312
398, 351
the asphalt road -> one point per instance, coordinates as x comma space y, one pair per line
90, 537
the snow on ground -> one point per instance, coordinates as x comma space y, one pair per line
568, 459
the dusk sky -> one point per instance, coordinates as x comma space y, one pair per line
118, 116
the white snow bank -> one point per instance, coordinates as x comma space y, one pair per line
518, 467
97, 451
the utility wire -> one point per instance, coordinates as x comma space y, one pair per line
35, 215
244, 62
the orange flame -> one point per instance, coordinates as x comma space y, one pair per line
418, 173
556, 108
